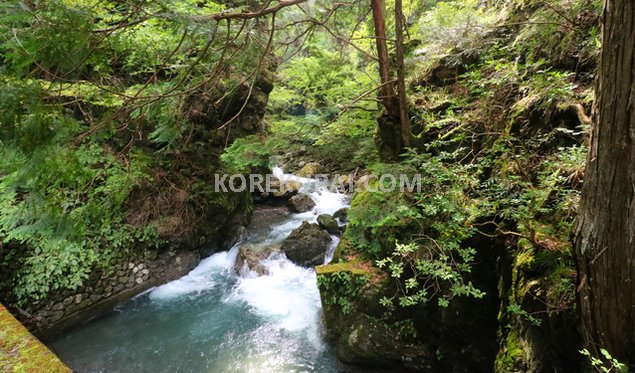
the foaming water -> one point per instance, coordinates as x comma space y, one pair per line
199, 279
287, 297
212, 320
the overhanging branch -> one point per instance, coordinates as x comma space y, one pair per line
260, 13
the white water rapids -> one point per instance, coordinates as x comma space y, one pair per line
212, 320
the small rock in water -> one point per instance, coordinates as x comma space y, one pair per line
341, 214
301, 203
250, 256
329, 223
307, 245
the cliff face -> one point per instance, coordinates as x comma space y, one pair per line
427, 337
501, 146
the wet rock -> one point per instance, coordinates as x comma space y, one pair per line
282, 189
310, 169
129, 281
328, 222
307, 245
301, 203
85, 303
234, 234
341, 215
56, 316
249, 258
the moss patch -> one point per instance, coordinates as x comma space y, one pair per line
355, 267
511, 357
20, 351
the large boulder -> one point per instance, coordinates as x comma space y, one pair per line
307, 245
328, 222
301, 203
310, 169
249, 258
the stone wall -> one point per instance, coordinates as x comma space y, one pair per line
105, 289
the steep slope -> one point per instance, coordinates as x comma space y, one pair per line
475, 272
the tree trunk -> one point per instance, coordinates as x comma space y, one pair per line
388, 138
605, 230
382, 54
404, 117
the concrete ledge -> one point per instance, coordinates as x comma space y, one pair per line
21, 352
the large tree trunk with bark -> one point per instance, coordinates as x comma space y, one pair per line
605, 230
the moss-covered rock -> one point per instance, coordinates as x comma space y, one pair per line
328, 222
310, 169
459, 338
538, 331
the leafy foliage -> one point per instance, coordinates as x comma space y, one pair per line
456, 30
247, 154
435, 224
342, 288
64, 203
101, 108
607, 364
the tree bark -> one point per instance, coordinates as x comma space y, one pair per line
382, 52
404, 117
388, 138
605, 230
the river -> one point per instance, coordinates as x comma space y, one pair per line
213, 320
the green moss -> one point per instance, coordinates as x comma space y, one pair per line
511, 356
21, 352
354, 267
